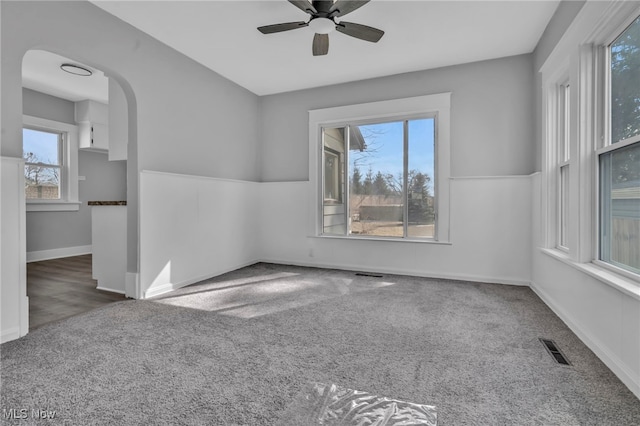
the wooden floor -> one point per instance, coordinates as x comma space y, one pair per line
61, 288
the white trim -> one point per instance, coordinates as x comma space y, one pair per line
23, 301
498, 177
606, 356
618, 145
400, 271
439, 104
10, 334
69, 181
199, 177
36, 256
383, 239
110, 290
53, 206
593, 24
132, 285
168, 287
621, 283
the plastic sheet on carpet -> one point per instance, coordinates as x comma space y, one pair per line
320, 404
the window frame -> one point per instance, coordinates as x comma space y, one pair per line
69, 200
563, 162
582, 53
605, 145
435, 105
60, 148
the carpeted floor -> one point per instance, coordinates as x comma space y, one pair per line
238, 350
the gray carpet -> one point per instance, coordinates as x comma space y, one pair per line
238, 349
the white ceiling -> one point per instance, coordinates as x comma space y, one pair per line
419, 35
41, 72
222, 35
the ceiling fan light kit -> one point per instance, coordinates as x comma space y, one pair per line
322, 25
322, 22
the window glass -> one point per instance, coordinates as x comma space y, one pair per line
619, 201
620, 207
564, 206
563, 163
421, 178
625, 84
390, 169
334, 209
43, 161
377, 180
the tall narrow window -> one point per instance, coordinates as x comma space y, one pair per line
390, 169
563, 165
619, 160
42, 152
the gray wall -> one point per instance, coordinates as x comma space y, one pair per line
491, 117
105, 180
41, 105
184, 118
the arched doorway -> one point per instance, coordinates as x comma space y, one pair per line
76, 127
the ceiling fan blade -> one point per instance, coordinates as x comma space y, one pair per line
347, 6
362, 32
276, 28
320, 44
304, 5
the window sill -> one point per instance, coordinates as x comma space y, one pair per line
53, 206
621, 283
385, 239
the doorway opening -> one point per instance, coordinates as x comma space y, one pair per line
75, 132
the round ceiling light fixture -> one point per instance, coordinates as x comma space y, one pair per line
76, 70
322, 25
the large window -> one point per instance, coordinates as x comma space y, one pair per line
50, 154
390, 167
383, 174
619, 159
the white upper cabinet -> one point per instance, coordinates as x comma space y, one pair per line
93, 125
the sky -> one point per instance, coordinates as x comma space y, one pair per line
384, 147
43, 144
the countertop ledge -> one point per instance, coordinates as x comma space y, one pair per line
107, 203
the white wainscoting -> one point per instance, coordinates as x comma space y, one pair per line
490, 235
605, 318
193, 228
14, 303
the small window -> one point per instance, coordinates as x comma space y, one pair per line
42, 152
50, 155
619, 160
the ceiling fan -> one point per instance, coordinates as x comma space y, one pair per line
323, 21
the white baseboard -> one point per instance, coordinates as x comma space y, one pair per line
132, 285
35, 256
609, 359
166, 288
401, 271
110, 290
10, 334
